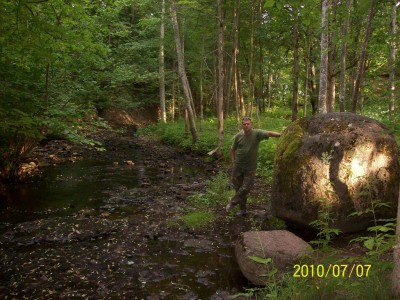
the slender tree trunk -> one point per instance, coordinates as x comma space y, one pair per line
362, 60
342, 89
313, 88
323, 83
362, 92
235, 55
227, 84
172, 112
396, 256
250, 74
47, 87
163, 111
261, 101
392, 60
269, 84
307, 74
182, 72
201, 85
331, 96
295, 91
221, 74
241, 99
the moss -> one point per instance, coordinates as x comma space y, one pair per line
290, 141
286, 164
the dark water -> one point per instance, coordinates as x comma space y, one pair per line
145, 267
83, 184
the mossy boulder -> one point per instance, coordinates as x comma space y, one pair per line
335, 164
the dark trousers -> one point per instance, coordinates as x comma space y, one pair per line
243, 181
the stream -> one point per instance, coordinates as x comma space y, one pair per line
104, 227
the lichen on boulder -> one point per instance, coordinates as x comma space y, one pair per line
338, 163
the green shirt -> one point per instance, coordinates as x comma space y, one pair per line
246, 148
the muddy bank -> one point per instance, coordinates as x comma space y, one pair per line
131, 245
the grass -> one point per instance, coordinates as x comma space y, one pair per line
175, 134
339, 285
198, 219
200, 211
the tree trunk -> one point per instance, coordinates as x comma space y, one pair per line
331, 96
250, 74
295, 70
313, 88
201, 85
235, 55
342, 89
172, 107
269, 84
241, 99
220, 111
396, 257
362, 60
47, 87
392, 60
261, 100
227, 83
308, 52
182, 73
323, 83
163, 113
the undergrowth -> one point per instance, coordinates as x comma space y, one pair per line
175, 134
200, 212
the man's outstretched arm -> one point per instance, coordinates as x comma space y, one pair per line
273, 134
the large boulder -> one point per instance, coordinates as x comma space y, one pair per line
282, 246
335, 164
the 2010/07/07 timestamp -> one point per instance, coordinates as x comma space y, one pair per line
334, 270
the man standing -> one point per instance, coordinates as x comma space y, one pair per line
244, 153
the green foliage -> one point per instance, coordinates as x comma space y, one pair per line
201, 214
174, 133
383, 239
198, 219
383, 230
217, 192
323, 225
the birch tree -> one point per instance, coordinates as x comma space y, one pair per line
392, 59
323, 82
163, 113
342, 88
295, 91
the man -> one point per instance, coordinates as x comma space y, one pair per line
244, 153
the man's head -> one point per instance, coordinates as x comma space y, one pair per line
247, 125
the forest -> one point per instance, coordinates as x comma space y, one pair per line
65, 62
192, 68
